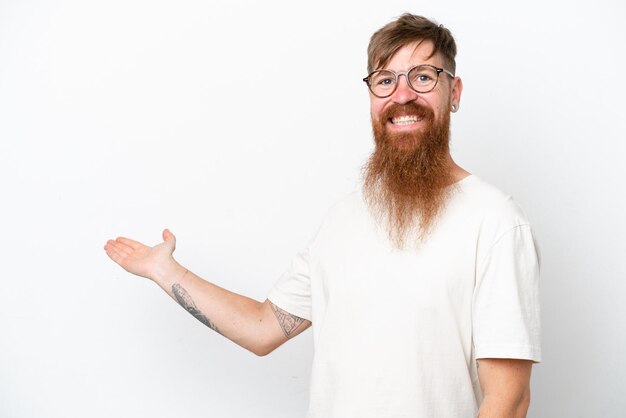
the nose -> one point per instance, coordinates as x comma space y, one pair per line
404, 93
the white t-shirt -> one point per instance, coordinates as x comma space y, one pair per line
397, 332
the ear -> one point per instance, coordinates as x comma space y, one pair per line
455, 93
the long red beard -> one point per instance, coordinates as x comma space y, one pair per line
407, 176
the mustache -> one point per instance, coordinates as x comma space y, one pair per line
411, 108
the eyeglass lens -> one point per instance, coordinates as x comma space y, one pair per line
421, 78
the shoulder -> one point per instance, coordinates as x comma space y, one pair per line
348, 203
489, 204
345, 207
345, 216
497, 217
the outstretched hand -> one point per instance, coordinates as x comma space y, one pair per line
139, 259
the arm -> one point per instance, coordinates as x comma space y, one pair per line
258, 327
506, 387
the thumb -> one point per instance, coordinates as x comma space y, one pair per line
169, 238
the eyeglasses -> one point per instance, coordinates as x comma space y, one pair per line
421, 78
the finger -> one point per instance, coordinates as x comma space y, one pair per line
121, 247
114, 254
170, 239
131, 243
167, 235
117, 247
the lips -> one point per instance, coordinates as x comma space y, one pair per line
405, 120
407, 114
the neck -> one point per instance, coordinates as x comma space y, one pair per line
458, 173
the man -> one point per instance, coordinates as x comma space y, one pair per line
422, 286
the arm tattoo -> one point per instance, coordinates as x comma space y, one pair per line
185, 300
288, 322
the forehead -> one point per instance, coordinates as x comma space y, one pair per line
413, 54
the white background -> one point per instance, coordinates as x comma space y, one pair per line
237, 124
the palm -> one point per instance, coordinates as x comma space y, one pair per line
141, 259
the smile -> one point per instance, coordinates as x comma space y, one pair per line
405, 120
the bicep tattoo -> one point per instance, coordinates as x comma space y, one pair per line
185, 300
288, 322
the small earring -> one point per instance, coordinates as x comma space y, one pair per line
454, 107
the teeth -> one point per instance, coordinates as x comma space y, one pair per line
404, 120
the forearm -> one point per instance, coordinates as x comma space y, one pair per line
258, 327
506, 387
505, 406
236, 317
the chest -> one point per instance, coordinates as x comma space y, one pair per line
355, 265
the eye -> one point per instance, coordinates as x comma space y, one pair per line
423, 77
383, 79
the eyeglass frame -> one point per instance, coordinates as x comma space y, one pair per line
406, 75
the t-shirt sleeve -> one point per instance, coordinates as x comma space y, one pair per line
292, 292
506, 321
